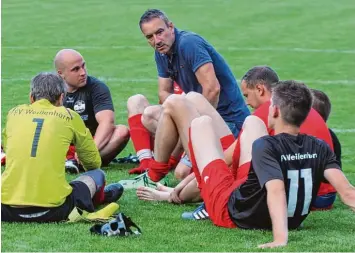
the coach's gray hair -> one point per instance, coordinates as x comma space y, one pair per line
47, 85
150, 14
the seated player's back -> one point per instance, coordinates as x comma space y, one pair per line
38, 136
313, 125
299, 161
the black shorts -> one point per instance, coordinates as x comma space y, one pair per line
80, 197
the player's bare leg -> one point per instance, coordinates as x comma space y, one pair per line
205, 108
253, 128
136, 104
182, 171
205, 149
115, 145
173, 123
190, 193
150, 117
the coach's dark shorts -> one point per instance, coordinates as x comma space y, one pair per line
80, 197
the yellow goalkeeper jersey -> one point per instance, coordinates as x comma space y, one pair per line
36, 140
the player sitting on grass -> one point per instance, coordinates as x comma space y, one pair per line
256, 87
91, 99
321, 103
285, 172
37, 137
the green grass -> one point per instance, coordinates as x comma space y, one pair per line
247, 33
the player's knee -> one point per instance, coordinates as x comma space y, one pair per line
173, 102
254, 123
181, 174
98, 175
137, 103
194, 97
122, 132
151, 113
201, 121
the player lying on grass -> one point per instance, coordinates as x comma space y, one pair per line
91, 99
256, 86
37, 137
184, 59
285, 170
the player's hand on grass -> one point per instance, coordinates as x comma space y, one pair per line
273, 244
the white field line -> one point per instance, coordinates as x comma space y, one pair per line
227, 48
340, 130
152, 80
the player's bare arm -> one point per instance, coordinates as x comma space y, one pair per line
165, 88
341, 184
276, 201
174, 196
206, 76
105, 119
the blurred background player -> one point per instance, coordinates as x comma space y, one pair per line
322, 104
91, 99
37, 137
192, 63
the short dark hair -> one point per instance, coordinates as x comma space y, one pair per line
260, 75
294, 99
150, 14
321, 103
47, 85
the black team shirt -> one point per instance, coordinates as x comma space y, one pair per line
336, 145
299, 161
88, 100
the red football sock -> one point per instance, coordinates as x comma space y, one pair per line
173, 162
143, 166
140, 137
227, 141
71, 152
99, 196
158, 170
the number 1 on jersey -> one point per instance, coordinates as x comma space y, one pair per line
39, 122
293, 175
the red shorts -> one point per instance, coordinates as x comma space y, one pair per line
226, 141
217, 185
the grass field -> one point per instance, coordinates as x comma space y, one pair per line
304, 40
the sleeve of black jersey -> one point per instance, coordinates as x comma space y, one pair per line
101, 97
331, 161
264, 162
336, 145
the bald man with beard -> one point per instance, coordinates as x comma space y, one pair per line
91, 99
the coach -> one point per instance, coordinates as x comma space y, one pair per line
189, 60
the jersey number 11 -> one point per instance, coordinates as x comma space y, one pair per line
294, 177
